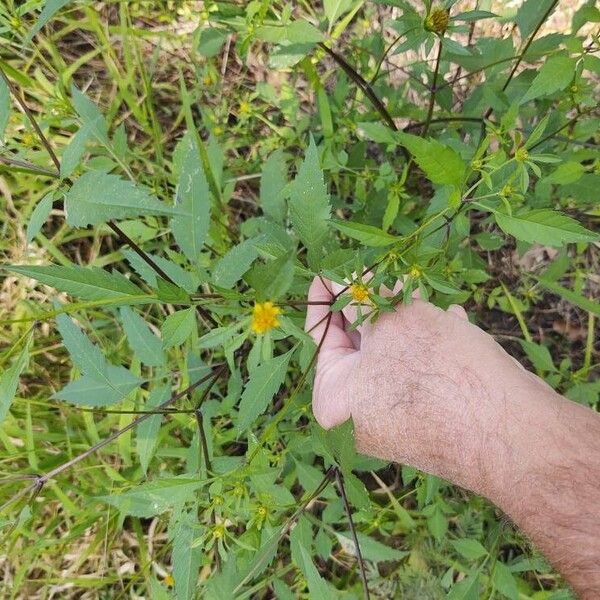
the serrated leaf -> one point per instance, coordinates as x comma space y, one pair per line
539, 356
88, 391
543, 226
97, 197
264, 382
9, 380
272, 186
554, 75
504, 581
441, 164
146, 345
190, 224
51, 7
147, 431
102, 383
234, 263
469, 548
177, 327
154, 498
366, 234
39, 216
309, 204
88, 283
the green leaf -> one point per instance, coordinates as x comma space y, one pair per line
264, 382
147, 431
39, 216
470, 549
530, 14
51, 7
89, 283
231, 267
539, 356
91, 117
186, 559
102, 383
4, 107
370, 548
378, 132
9, 380
146, 345
211, 41
154, 498
177, 327
474, 15
570, 296
466, 589
309, 205
441, 164
88, 391
554, 75
366, 234
335, 9
504, 581
190, 224
97, 197
272, 186
543, 226
317, 586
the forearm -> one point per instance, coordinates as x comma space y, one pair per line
548, 480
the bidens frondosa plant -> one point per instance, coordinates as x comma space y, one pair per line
169, 198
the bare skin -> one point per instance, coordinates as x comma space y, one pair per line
427, 388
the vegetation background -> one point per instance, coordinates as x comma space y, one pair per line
173, 174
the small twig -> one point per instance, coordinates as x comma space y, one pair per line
23, 165
364, 85
361, 563
433, 88
521, 54
31, 118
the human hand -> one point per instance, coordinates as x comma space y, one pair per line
424, 386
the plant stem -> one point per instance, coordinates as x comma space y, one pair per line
433, 88
361, 563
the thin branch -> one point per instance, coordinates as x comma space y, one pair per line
364, 85
528, 43
23, 165
433, 93
31, 118
361, 563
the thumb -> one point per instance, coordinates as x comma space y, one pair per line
336, 360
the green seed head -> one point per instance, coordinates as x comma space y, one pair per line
437, 20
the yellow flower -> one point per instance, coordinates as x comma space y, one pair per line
244, 108
219, 531
264, 317
169, 581
521, 154
359, 292
415, 271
